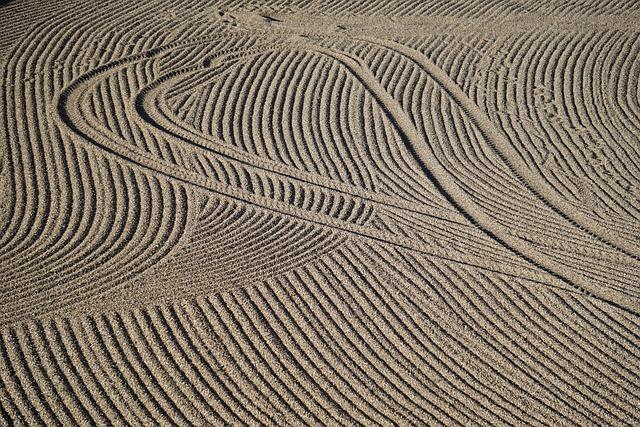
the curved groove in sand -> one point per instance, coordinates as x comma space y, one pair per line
512, 157
446, 182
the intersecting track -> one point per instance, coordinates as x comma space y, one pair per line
72, 116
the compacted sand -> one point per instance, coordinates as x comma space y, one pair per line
320, 212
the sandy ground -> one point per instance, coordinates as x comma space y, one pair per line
320, 213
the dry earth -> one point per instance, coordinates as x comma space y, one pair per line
320, 212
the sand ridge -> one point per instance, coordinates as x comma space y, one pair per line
338, 213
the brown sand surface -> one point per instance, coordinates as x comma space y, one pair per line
320, 212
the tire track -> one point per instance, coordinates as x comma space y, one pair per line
476, 215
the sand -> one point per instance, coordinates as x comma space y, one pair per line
320, 212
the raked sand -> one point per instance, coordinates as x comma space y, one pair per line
320, 212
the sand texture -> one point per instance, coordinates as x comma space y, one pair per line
320, 212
